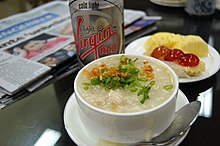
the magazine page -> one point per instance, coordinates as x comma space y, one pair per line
16, 72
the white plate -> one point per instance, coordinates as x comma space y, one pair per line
212, 61
169, 3
82, 137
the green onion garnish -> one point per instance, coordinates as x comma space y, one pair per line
168, 87
145, 91
125, 76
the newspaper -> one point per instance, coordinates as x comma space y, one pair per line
17, 72
34, 42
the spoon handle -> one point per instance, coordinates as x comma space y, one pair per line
170, 142
183, 119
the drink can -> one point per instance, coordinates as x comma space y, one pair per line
98, 28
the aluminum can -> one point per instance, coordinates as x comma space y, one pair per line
98, 28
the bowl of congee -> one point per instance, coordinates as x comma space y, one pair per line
126, 98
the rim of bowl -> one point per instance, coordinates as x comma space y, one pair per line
175, 92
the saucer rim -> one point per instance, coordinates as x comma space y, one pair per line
71, 106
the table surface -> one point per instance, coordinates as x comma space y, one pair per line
24, 122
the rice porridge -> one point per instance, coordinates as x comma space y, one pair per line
125, 84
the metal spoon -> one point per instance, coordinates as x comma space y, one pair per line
183, 119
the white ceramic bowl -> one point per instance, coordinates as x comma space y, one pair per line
127, 127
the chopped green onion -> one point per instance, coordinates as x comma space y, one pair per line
168, 87
123, 59
133, 89
86, 86
96, 81
145, 91
141, 91
143, 79
146, 96
130, 77
150, 84
106, 80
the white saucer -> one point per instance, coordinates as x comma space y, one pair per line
82, 137
212, 61
169, 3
